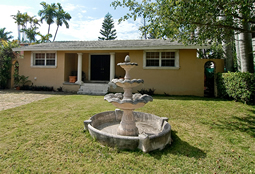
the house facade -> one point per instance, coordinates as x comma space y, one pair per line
168, 67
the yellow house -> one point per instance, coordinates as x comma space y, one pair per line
168, 67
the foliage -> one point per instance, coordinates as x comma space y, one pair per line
145, 91
31, 33
239, 86
107, 28
46, 136
6, 56
61, 17
215, 52
48, 13
178, 19
22, 80
44, 38
195, 22
16, 74
37, 88
4, 35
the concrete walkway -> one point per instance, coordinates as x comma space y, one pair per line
10, 98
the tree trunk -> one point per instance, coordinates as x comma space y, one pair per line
228, 49
246, 53
56, 34
19, 32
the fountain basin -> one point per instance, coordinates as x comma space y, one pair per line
154, 131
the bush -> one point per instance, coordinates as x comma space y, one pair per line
145, 91
236, 85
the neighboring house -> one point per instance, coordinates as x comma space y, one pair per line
168, 67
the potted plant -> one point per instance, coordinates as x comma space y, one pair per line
73, 77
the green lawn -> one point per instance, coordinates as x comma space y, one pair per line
209, 136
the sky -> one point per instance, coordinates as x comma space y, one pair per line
87, 18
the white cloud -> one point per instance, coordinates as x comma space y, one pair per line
89, 30
83, 11
7, 20
72, 7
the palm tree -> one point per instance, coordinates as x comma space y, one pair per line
25, 19
44, 38
62, 17
31, 33
48, 13
18, 20
4, 35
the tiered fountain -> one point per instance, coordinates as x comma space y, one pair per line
127, 129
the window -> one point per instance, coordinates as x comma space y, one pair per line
166, 59
44, 59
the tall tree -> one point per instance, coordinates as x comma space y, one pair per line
4, 35
44, 38
31, 33
107, 28
48, 13
6, 56
18, 20
62, 17
178, 19
25, 20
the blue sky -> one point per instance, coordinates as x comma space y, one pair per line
86, 22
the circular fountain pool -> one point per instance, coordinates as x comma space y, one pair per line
154, 131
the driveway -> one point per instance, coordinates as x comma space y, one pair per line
10, 98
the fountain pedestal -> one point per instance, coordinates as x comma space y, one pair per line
127, 125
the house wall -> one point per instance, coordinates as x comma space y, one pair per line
44, 76
188, 80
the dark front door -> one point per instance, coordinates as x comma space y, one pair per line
100, 67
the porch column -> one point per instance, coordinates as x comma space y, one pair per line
79, 69
112, 66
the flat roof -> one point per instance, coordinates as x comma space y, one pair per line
108, 45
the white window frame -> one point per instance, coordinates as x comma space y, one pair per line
43, 66
176, 60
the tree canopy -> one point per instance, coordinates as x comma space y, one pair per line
179, 19
5, 35
108, 31
194, 21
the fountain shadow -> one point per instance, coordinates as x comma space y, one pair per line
179, 148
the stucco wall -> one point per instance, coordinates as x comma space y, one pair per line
187, 80
44, 76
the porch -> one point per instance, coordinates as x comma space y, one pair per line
93, 71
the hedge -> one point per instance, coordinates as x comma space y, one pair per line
236, 85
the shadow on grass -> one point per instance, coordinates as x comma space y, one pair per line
244, 124
179, 148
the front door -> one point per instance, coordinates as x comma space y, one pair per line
100, 67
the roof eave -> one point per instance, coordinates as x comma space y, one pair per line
113, 48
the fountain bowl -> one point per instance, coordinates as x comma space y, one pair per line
154, 131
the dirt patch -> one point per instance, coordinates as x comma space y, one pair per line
12, 98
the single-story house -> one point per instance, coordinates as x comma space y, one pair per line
168, 67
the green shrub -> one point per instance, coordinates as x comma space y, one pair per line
236, 85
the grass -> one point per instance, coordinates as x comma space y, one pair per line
209, 136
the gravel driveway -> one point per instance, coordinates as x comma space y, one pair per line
10, 98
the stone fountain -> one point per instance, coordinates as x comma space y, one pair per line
125, 128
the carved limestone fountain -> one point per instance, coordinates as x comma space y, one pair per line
127, 129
